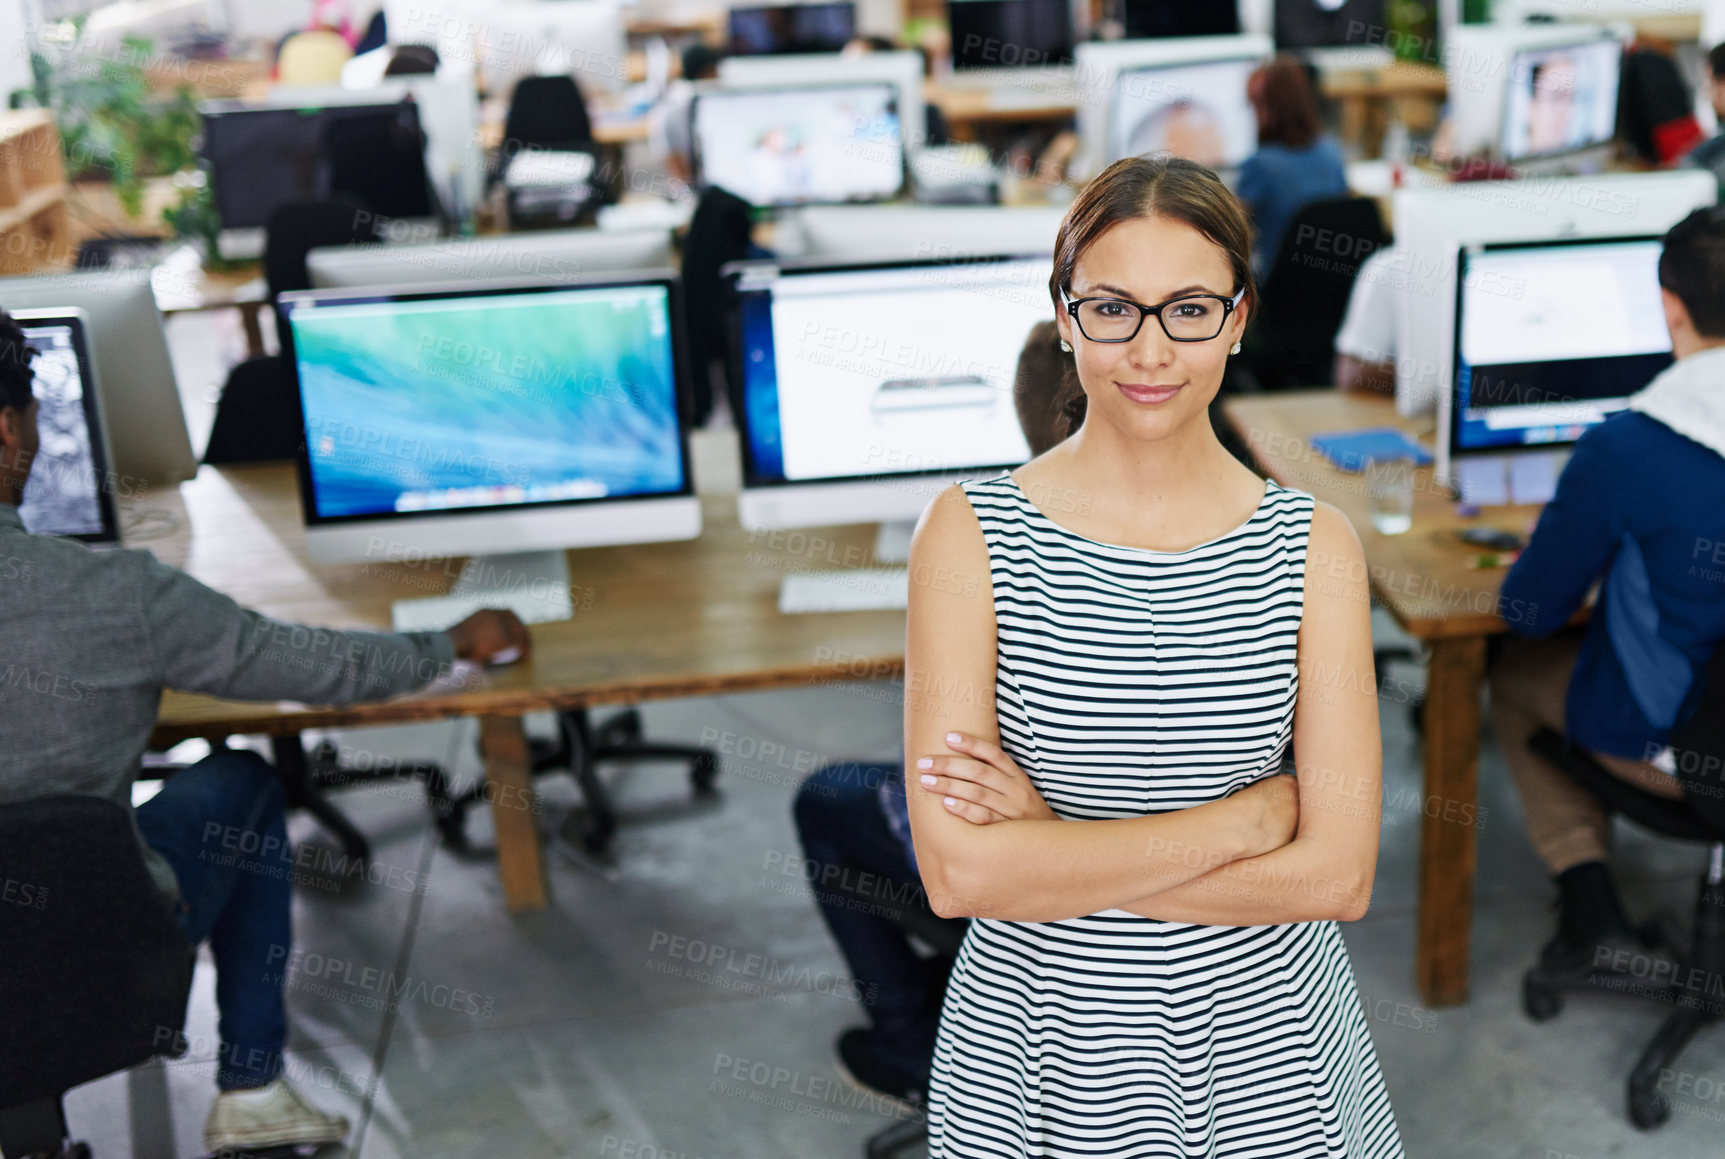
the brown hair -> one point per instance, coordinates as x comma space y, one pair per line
1281, 93
1042, 370
1139, 187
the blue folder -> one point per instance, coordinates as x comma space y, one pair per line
1352, 450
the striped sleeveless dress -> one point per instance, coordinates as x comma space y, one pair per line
1134, 682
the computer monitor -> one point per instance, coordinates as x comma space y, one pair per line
1561, 100
1146, 19
548, 255
1185, 96
448, 112
262, 157
140, 398
867, 388
70, 491
1434, 222
506, 40
784, 28
1552, 337
1329, 23
902, 69
778, 146
1010, 33
486, 418
863, 233
1488, 72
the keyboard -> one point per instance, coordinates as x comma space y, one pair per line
437, 613
875, 589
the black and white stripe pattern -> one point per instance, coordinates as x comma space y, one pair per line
1134, 682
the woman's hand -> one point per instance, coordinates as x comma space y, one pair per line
983, 785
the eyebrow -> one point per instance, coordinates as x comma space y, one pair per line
1123, 293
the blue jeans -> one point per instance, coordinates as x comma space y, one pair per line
222, 825
846, 838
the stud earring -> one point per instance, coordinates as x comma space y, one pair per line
1066, 346
1235, 349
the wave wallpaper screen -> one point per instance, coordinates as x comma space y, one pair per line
489, 401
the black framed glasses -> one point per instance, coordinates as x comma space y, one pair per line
1188, 318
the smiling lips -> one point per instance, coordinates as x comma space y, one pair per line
1148, 394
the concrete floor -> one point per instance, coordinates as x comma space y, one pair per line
597, 1028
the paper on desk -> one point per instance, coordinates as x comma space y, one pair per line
1483, 482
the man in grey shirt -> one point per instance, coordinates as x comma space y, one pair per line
88, 641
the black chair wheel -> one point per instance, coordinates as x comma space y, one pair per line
1417, 715
595, 837
703, 772
76, 1151
1647, 1108
1540, 1002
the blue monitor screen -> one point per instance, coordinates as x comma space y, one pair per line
444, 403
1552, 338
65, 494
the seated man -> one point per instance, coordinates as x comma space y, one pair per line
1641, 505
1710, 154
853, 818
110, 630
1369, 338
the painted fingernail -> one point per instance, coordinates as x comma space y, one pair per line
953, 738
928, 780
925, 762
952, 803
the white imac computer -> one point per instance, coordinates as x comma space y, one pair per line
1551, 339
908, 232
1433, 223
1561, 101
1489, 72
140, 399
549, 255
505, 40
1185, 96
492, 419
70, 491
783, 146
866, 389
901, 69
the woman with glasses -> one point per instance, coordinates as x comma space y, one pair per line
1112, 651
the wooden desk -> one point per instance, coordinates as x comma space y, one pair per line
968, 109
1423, 579
1416, 92
652, 621
186, 289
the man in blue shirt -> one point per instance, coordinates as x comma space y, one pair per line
1640, 507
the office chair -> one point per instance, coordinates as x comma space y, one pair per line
548, 114
258, 415
943, 936
1305, 294
1699, 749
94, 973
1655, 110
720, 231
580, 748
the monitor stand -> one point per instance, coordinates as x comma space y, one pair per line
532, 584
892, 541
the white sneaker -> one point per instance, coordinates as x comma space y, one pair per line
275, 1115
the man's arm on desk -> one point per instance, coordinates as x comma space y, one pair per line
203, 641
1577, 535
